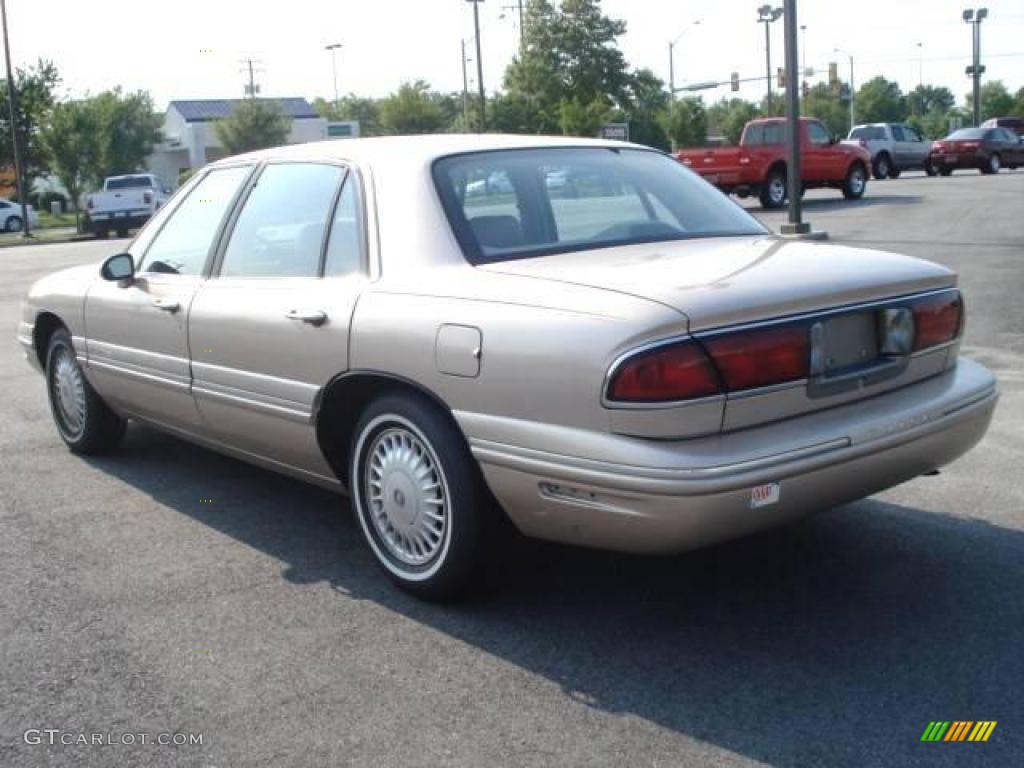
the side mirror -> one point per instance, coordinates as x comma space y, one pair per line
834, 138
118, 267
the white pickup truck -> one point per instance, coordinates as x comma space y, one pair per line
126, 202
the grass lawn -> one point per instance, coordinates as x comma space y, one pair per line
47, 220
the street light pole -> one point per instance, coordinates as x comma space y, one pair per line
671, 57
766, 15
465, 87
333, 48
479, 65
12, 102
795, 225
920, 65
974, 19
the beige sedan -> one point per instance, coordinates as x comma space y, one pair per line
580, 336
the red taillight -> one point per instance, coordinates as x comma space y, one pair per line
673, 372
761, 357
937, 320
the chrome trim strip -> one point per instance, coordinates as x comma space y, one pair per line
222, 394
139, 375
288, 393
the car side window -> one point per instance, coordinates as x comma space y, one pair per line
280, 231
754, 135
897, 133
912, 134
182, 244
345, 240
818, 134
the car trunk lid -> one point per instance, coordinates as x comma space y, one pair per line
726, 281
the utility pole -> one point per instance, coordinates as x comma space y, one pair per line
920, 65
333, 48
795, 225
465, 86
251, 89
974, 18
479, 65
853, 88
12, 102
766, 15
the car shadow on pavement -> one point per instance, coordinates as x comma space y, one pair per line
868, 201
833, 641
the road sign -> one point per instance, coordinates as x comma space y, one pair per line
615, 131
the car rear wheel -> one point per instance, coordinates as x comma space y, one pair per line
773, 191
992, 164
13, 224
945, 171
894, 173
882, 167
856, 182
85, 423
419, 496
930, 168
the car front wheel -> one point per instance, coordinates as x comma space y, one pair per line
85, 423
930, 168
856, 182
419, 496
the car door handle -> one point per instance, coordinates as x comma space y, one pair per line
167, 305
315, 317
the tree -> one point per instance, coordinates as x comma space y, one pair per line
253, 124
646, 101
880, 101
128, 129
351, 107
71, 140
930, 98
730, 115
570, 64
413, 109
821, 102
996, 100
686, 122
36, 87
1018, 102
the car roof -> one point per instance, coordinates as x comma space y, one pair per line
416, 150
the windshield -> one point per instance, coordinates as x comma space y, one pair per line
129, 182
967, 133
513, 204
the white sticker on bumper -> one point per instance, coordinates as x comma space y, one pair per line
763, 495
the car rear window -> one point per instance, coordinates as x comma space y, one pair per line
967, 133
513, 204
130, 182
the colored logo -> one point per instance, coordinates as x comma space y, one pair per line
958, 730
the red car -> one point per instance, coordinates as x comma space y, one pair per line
758, 165
986, 149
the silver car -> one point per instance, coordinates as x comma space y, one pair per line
894, 148
630, 361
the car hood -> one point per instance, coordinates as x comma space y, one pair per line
724, 281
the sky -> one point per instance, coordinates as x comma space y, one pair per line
191, 49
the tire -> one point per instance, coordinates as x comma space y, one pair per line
992, 164
894, 173
930, 169
13, 224
773, 190
882, 166
84, 422
856, 182
945, 171
122, 233
400, 442
102, 233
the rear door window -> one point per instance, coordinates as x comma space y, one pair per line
897, 133
818, 134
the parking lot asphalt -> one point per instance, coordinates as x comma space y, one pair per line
170, 589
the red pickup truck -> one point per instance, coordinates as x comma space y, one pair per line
758, 165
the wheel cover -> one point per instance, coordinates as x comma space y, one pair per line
406, 496
856, 181
777, 189
993, 162
68, 387
883, 166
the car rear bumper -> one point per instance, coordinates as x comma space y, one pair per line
679, 495
959, 160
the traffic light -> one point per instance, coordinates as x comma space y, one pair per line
780, 76
833, 73
805, 88
734, 81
